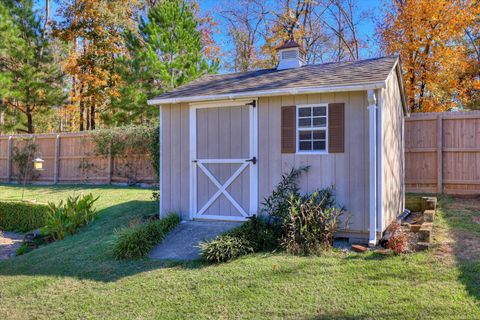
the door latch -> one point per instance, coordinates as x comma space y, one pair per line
253, 160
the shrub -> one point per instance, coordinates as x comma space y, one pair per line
255, 235
276, 205
23, 156
122, 142
22, 216
68, 217
262, 234
311, 223
137, 240
398, 242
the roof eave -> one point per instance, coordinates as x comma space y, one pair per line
269, 93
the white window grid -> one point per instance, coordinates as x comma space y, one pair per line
312, 127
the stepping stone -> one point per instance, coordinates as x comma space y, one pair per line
182, 243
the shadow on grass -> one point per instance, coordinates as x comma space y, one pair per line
459, 225
54, 189
88, 254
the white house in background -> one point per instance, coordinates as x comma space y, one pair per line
227, 139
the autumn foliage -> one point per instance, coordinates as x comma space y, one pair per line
430, 36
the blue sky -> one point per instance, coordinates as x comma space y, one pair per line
366, 28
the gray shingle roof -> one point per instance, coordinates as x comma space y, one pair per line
360, 72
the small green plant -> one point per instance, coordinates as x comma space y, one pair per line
311, 223
22, 249
138, 239
67, 218
156, 195
22, 216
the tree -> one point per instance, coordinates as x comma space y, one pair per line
472, 74
327, 29
246, 21
429, 37
168, 51
30, 78
94, 29
343, 25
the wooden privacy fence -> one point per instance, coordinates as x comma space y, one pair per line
71, 158
442, 152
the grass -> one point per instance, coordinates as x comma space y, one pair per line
78, 277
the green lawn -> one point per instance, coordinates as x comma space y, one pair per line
77, 277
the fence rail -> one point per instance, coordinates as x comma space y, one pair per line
442, 152
442, 155
71, 158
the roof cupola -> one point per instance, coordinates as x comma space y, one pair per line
290, 55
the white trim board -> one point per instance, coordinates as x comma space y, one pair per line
198, 164
268, 93
297, 130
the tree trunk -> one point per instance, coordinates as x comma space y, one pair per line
28, 113
87, 115
92, 117
82, 108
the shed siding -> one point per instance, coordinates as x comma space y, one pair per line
348, 171
175, 163
393, 193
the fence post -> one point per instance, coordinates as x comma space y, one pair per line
9, 158
57, 160
439, 153
110, 165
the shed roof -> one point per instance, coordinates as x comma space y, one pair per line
342, 76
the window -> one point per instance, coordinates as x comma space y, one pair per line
312, 128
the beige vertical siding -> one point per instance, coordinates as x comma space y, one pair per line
348, 171
392, 151
175, 164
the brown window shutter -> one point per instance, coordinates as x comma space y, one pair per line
336, 127
288, 129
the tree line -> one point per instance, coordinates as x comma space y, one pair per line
88, 64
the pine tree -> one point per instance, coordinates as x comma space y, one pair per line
30, 79
167, 52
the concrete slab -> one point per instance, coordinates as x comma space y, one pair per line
182, 243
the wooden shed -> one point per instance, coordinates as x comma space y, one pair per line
227, 139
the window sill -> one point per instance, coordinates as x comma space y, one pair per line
318, 153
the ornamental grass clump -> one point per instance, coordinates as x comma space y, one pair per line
311, 223
225, 248
137, 240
